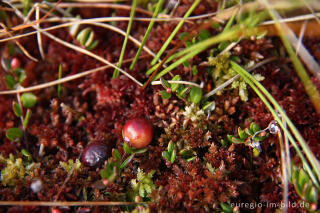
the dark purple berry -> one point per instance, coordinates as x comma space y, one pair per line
95, 154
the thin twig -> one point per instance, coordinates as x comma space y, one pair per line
18, 44
62, 80
68, 203
38, 33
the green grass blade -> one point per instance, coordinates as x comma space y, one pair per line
195, 49
175, 31
133, 10
155, 14
59, 77
252, 82
302, 73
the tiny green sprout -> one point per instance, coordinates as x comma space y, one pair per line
171, 152
188, 155
14, 134
27, 154
143, 185
86, 38
59, 77
246, 137
115, 163
28, 100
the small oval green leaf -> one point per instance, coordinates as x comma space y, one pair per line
14, 134
28, 100
126, 161
195, 95
16, 109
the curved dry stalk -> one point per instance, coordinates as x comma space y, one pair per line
99, 5
19, 44
107, 26
62, 80
291, 19
69, 203
39, 39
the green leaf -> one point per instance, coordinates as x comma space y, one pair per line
21, 74
209, 106
142, 192
174, 86
10, 81
182, 35
164, 83
173, 156
226, 208
254, 127
195, 95
127, 149
14, 134
183, 91
93, 45
194, 70
126, 161
242, 134
27, 154
223, 45
27, 118
312, 195
191, 159
166, 155
116, 154
28, 100
164, 94
203, 35
170, 147
224, 142
234, 140
16, 109
186, 153
139, 151
302, 179
109, 172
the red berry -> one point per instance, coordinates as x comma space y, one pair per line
95, 154
55, 210
15, 63
138, 132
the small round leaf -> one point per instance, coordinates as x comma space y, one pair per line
28, 100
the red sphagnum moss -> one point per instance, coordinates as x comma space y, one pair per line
97, 107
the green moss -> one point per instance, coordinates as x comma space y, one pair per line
143, 185
15, 169
71, 165
223, 72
